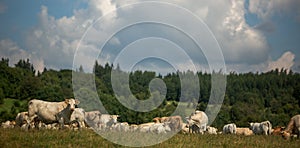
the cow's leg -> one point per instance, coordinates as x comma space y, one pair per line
61, 123
29, 121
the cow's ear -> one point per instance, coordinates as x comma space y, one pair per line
67, 101
77, 101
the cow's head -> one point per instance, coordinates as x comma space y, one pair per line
286, 135
72, 103
251, 125
190, 121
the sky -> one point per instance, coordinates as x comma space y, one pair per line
162, 36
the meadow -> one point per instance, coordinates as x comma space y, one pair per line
86, 138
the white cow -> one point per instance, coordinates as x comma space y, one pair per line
185, 128
145, 127
121, 127
92, 118
50, 112
8, 124
107, 120
211, 130
229, 128
261, 128
175, 122
78, 115
159, 128
133, 127
21, 118
197, 121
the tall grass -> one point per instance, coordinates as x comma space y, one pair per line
86, 138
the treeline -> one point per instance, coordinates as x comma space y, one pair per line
274, 95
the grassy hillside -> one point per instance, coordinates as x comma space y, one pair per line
87, 138
10, 108
8, 103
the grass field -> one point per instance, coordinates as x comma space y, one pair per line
86, 138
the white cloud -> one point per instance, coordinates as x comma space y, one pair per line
267, 9
240, 43
55, 39
10, 50
286, 61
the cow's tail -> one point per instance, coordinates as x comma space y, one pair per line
269, 127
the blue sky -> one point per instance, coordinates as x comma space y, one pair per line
253, 35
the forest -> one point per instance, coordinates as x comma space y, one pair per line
273, 95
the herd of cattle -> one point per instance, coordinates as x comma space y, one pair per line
60, 115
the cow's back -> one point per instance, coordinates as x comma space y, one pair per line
201, 117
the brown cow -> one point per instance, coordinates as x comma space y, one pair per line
292, 128
278, 130
243, 131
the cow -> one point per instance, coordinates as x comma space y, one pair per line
229, 128
145, 127
278, 130
121, 127
159, 128
92, 118
194, 128
146, 124
106, 121
243, 131
197, 119
211, 130
292, 128
133, 127
261, 128
78, 115
21, 118
175, 122
8, 124
51, 112
185, 128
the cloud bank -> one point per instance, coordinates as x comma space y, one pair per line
245, 48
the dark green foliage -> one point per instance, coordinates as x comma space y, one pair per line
249, 97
